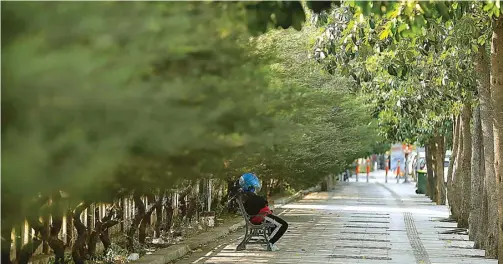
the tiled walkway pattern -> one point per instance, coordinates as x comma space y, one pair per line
358, 222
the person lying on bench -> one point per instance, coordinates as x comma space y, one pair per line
259, 207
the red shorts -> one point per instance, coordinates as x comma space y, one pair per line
257, 220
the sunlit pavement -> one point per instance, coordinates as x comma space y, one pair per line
357, 222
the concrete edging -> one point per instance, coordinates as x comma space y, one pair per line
174, 252
299, 194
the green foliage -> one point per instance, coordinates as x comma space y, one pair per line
415, 78
102, 99
96, 97
68, 259
327, 126
262, 15
406, 19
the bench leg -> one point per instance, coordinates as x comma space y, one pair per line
266, 237
242, 245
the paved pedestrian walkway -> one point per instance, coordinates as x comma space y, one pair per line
357, 222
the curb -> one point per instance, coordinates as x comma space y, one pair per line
282, 201
174, 252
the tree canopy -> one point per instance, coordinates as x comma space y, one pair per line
103, 100
100, 99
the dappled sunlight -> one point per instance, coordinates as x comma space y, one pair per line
440, 212
232, 260
247, 253
259, 260
317, 196
330, 228
342, 197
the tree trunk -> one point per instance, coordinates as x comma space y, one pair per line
486, 114
439, 169
79, 250
28, 250
142, 232
94, 234
140, 212
169, 212
465, 167
484, 218
182, 205
122, 210
69, 228
430, 183
6, 242
192, 208
456, 192
158, 217
324, 185
477, 182
106, 223
105, 239
217, 194
57, 245
497, 96
223, 196
45, 243
231, 208
19, 240
142, 229
105, 235
450, 172
41, 233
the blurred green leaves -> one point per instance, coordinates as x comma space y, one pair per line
102, 98
89, 88
262, 15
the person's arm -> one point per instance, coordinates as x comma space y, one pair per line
263, 202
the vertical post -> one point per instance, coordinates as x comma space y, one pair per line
125, 214
18, 238
84, 218
368, 169
26, 232
387, 170
398, 171
63, 230
209, 195
405, 177
357, 169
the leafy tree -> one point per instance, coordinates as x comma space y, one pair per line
95, 109
105, 101
396, 22
323, 127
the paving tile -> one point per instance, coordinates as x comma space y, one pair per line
359, 222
